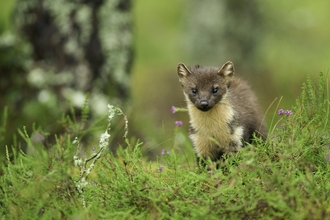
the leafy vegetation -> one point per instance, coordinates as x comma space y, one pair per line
287, 177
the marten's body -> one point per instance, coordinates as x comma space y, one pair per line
223, 110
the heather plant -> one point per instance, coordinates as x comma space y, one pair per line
285, 177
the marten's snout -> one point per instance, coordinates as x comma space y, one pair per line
204, 105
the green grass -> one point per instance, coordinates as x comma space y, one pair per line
287, 177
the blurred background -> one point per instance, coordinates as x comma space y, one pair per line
124, 52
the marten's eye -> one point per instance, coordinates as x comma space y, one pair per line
215, 90
194, 91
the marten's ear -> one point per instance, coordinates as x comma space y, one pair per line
227, 70
183, 70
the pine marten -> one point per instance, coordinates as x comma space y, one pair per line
223, 110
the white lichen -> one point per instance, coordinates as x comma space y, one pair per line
82, 182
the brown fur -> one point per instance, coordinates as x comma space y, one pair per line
223, 110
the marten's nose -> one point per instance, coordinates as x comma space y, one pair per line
204, 104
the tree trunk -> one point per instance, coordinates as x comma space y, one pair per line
81, 45
219, 31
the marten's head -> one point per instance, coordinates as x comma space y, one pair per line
205, 86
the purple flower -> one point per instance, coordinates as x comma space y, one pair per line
161, 168
288, 112
173, 109
165, 152
280, 112
178, 123
93, 149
